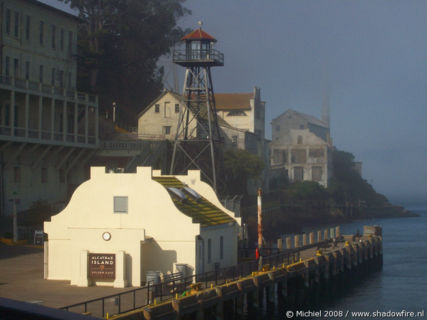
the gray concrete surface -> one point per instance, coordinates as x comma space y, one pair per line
21, 278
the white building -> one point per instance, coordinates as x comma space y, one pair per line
146, 224
301, 145
48, 130
159, 120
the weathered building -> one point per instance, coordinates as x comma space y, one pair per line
48, 130
143, 221
241, 118
159, 121
301, 145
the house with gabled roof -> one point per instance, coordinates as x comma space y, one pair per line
119, 226
301, 145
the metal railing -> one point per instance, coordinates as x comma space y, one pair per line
166, 290
45, 89
198, 55
45, 135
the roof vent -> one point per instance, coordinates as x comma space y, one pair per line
193, 193
177, 192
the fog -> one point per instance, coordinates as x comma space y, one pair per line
368, 56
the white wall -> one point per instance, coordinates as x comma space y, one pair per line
154, 234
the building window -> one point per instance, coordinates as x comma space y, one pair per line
277, 128
301, 126
120, 204
27, 70
17, 174
157, 108
285, 156
167, 130
41, 72
61, 40
221, 247
61, 78
61, 176
7, 66
316, 173
298, 156
69, 80
8, 17
70, 41
16, 24
44, 175
52, 82
41, 33
16, 68
298, 174
209, 250
53, 36
234, 141
236, 113
299, 140
176, 108
27, 27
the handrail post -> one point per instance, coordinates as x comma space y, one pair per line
103, 309
134, 300
148, 293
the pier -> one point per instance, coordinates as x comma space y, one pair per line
303, 273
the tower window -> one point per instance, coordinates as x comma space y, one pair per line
157, 108
176, 108
167, 130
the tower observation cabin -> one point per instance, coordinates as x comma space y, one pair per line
198, 51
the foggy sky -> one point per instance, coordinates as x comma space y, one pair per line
370, 57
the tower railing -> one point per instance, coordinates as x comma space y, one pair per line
198, 55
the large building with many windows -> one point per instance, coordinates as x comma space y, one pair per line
301, 146
48, 130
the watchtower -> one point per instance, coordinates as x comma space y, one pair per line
197, 140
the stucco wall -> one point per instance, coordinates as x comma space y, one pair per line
153, 233
151, 123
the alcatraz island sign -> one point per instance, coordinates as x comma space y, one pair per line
102, 266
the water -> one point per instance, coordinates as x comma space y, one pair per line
401, 285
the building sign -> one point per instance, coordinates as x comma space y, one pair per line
102, 266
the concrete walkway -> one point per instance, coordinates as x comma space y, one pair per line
21, 278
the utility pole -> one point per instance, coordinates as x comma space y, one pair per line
259, 202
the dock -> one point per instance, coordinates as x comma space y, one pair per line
294, 278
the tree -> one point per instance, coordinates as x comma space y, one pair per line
120, 42
239, 167
348, 186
